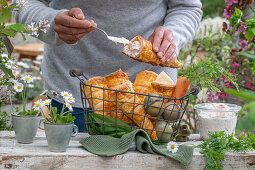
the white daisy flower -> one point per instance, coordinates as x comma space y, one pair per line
15, 72
28, 78
69, 106
46, 102
69, 99
18, 87
66, 94
172, 147
38, 105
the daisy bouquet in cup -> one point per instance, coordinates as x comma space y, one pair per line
22, 86
51, 114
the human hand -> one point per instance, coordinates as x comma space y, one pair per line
163, 44
71, 25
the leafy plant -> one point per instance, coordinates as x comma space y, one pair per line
247, 121
22, 87
6, 47
218, 143
10, 30
53, 117
204, 72
60, 118
99, 124
212, 8
28, 113
4, 121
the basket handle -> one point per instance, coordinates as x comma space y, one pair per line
194, 91
75, 73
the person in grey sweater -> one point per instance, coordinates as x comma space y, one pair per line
71, 42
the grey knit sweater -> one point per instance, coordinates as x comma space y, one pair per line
94, 55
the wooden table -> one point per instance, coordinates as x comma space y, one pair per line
29, 50
37, 156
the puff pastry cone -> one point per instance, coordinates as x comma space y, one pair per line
97, 97
129, 103
141, 50
143, 82
113, 81
143, 85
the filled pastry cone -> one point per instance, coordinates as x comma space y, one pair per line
121, 116
143, 82
129, 105
97, 96
113, 81
141, 50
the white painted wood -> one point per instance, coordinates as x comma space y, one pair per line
37, 156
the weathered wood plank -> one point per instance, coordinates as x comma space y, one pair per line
37, 156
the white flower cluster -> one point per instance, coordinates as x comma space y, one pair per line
39, 104
18, 87
68, 97
3, 89
22, 3
209, 27
35, 28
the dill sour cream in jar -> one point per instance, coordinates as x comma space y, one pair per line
216, 117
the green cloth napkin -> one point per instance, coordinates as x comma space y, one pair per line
104, 145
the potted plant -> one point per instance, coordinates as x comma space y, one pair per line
58, 127
24, 121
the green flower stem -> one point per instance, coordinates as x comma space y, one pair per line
62, 111
26, 95
50, 106
11, 101
65, 112
23, 99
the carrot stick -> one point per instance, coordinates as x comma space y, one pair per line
181, 88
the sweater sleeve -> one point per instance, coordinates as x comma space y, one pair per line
183, 19
35, 11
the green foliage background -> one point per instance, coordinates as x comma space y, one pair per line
213, 8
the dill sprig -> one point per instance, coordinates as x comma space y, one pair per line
218, 143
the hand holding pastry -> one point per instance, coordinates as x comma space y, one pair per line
71, 25
141, 50
163, 44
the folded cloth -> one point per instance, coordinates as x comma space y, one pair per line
104, 145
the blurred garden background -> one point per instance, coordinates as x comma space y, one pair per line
220, 60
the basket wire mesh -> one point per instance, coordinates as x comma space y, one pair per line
176, 109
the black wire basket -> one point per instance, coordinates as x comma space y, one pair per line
159, 116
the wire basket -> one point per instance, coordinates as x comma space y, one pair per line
162, 126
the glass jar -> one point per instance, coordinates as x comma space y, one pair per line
216, 117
